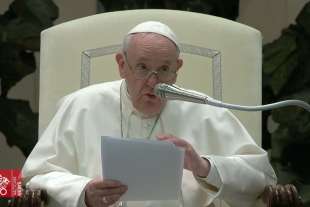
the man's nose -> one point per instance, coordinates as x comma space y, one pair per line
152, 79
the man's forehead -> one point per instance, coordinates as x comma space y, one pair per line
165, 60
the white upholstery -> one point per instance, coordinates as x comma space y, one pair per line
239, 49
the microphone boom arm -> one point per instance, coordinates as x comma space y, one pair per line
173, 92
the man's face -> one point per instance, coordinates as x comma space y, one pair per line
151, 52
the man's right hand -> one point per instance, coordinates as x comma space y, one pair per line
103, 193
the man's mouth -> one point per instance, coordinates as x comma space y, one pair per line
151, 95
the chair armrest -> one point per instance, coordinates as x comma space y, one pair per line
29, 198
281, 196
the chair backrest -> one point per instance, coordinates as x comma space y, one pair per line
221, 58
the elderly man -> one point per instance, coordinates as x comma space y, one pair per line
221, 160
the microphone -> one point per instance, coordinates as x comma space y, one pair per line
174, 92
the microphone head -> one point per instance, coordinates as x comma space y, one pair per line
173, 92
159, 90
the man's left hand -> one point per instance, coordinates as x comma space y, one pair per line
192, 161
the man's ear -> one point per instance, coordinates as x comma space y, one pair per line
179, 63
119, 57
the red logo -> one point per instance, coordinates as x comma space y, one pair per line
10, 183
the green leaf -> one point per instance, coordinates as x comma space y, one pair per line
289, 115
19, 124
276, 53
303, 18
24, 21
304, 192
42, 12
293, 156
281, 76
279, 140
24, 33
284, 174
300, 78
15, 64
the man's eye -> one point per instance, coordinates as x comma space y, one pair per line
141, 67
164, 69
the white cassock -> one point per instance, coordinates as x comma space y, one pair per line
67, 156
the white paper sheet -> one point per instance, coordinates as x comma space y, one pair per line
151, 169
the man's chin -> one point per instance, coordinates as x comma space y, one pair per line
152, 107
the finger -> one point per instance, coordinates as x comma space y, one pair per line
167, 137
164, 136
110, 200
113, 191
174, 140
107, 184
179, 142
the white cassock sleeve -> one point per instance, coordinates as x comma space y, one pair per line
238, 178
53, 163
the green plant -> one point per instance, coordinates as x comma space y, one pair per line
286, 75
20, 28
